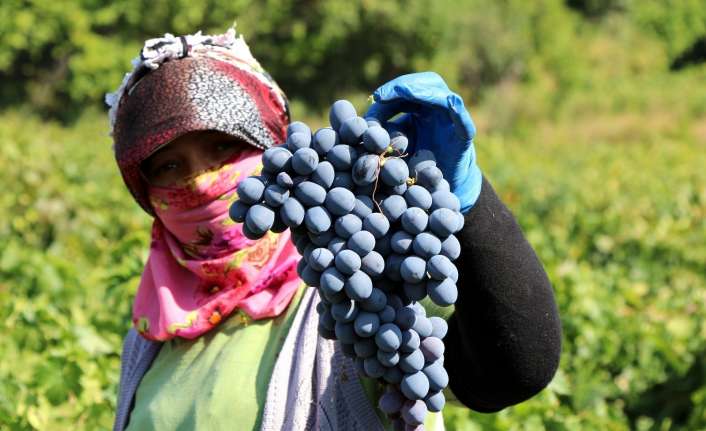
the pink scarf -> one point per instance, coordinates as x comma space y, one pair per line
201, 267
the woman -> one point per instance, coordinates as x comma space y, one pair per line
225, 332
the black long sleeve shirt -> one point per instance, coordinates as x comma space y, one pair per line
504, 338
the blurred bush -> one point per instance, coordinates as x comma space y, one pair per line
590, 138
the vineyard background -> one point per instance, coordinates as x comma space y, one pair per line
591, 120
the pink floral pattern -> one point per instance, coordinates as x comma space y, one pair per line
201, 267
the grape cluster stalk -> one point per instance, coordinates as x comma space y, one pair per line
375, 227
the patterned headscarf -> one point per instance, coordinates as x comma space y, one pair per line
190, 83
201, 266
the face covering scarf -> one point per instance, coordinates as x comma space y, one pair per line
201, 267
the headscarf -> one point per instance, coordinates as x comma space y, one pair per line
201, 267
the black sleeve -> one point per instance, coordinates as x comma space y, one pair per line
504, 337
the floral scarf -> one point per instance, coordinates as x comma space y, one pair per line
201, 267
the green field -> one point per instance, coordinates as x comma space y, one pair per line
594, 142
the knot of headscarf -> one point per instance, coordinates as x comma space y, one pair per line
201, 267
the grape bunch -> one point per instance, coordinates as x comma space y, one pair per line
375, 227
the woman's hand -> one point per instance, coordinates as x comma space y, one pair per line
434, 119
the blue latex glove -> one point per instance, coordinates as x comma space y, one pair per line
435, 119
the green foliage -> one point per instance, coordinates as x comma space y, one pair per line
589, 138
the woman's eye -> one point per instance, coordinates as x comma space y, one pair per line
165, 168
225, 146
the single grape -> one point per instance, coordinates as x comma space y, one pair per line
393, 207
375, 302
320, 258
460, 223
347, 225
304, 161
410, 341
332, 281
361, 242
275, 195
435, 401
387, 314
401, 242
391, 401
326, 320
392, 266
443, 293
413, 269
451, 248
276, 159
323, 175
388, 337
238, 210
426, 245
358, 286
418, 196
373, 264
414, 412
437, 375
376, 139
429, 177
342, 157
394, 172
442, 222
398, 142
388, 359
414, 220
365, 347
439, 327
340, 111
345, 311
317, 220
419, 309
339, 201
442, 186
366, 324
284, 180
259, 219
336, 244
373, 122
415, 291
412, 361
377, 224
363, 206
250, 190
414, 386
324, 139
307, 251
347, 261
297, 126
439, 267
310, 276
393, 375
422, 326
352, 130
373, 367
365, 169
310, 194
444, 199
298, 140
345, 333
432, 348
420, 160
